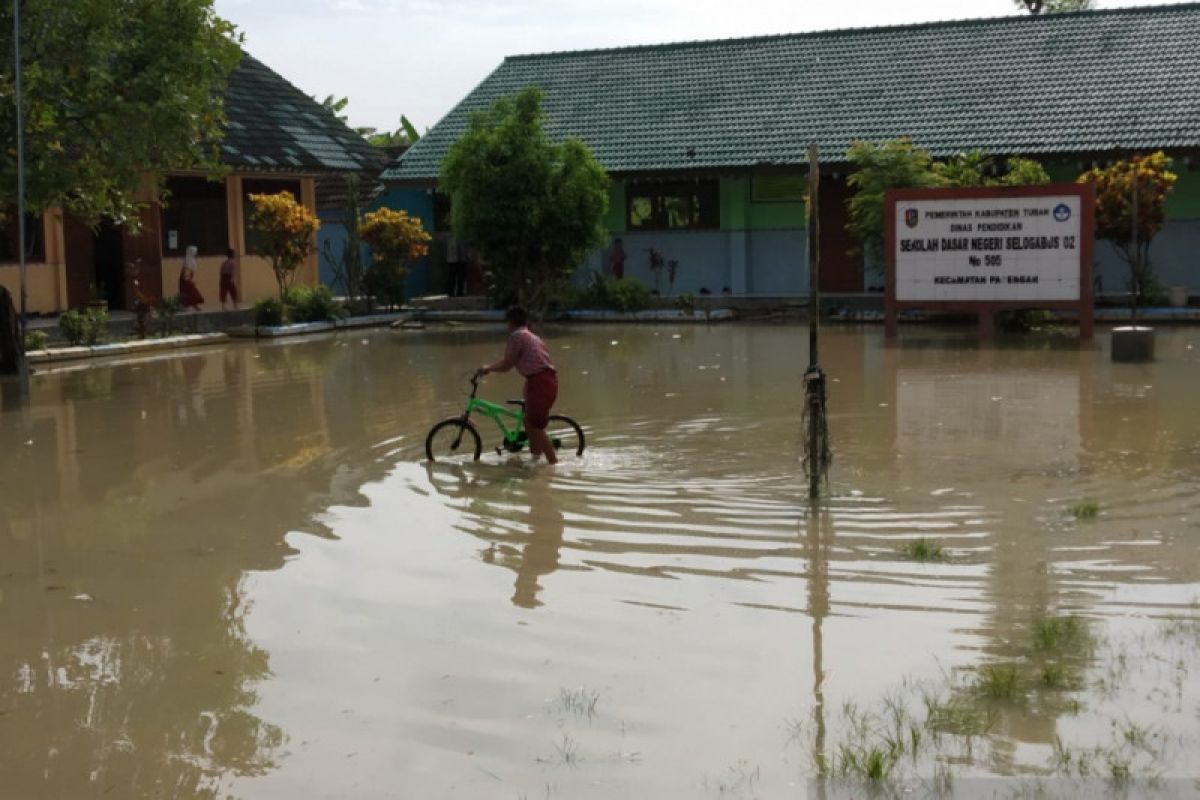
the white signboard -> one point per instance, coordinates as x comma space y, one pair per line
988, 249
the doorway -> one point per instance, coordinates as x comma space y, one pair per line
110, 264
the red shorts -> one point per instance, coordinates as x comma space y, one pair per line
541, 390
228, 288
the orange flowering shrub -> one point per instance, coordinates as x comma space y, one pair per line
285, 234
1114, 213
1114, 197
396, 241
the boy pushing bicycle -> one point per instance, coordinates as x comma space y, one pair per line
527, 352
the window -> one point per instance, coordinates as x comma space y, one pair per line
195, 214
263, 186
35, 245
673, 206
777, 189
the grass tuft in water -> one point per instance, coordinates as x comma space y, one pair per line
1067, 633
1084, 509
923, 549
999, 682
873, 764
580, 702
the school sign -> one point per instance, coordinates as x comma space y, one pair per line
983, 250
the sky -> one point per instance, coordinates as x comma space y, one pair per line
421, 57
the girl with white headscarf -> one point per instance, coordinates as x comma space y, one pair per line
189, 295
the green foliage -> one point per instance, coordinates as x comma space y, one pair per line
897, 164
922, 549
1085, 509
300, 304
999, 682
167, 309
1060, 633
1024, 320
313, 304
84, 327
625, 294
269, 312
404, 136
116, 91
533, 208
36, 340
1149, 178
686, 303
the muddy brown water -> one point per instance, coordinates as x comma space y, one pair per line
231, 573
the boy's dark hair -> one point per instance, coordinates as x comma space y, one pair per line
516, 315
230, 253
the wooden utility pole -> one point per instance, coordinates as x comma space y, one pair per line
19, 99
817, 455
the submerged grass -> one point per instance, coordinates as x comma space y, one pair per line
1065, 633
1084, 509
999, 682
923, 549
579, 702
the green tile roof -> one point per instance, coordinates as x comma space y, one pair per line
1088, 82
273, 126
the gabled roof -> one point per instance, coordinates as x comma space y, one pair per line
1086, 82
272, 126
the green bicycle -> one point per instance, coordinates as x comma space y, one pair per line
458, 438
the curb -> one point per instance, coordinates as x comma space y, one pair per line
123, 348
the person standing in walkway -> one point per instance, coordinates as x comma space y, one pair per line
527, 352
228, 287
189, 295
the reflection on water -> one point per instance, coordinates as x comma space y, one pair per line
230, 572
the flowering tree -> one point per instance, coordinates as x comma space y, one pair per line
396, 241
285, 234
1146, 179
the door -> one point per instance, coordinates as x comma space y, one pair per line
110, 264
80, 259
841, 271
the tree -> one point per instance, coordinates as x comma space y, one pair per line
336, 105
404, 136
1148, 178
897, 164
116, 92
284, 231
347, 268
533, 208
1054, 6
396, 241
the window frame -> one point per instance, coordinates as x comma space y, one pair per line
210, 239
701, 201
35, 235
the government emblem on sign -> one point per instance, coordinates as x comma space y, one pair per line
1062, 212
910, 217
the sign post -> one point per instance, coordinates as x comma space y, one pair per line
988, 249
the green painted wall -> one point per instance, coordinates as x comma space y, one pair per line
1184, 200
739, 212
614, 220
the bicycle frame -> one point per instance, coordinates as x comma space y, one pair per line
514, 436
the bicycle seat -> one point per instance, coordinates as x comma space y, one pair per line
516, 403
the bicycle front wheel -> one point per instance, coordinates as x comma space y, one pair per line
453, 440
565, 434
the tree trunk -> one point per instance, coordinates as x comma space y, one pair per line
12, 349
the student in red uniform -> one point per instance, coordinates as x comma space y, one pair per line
527, 352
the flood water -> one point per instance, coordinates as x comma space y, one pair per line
231, 572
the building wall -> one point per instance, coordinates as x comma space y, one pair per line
423, 277
45, 281
253, 276
761, 247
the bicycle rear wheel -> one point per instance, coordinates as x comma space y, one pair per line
565, 434
453, 440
